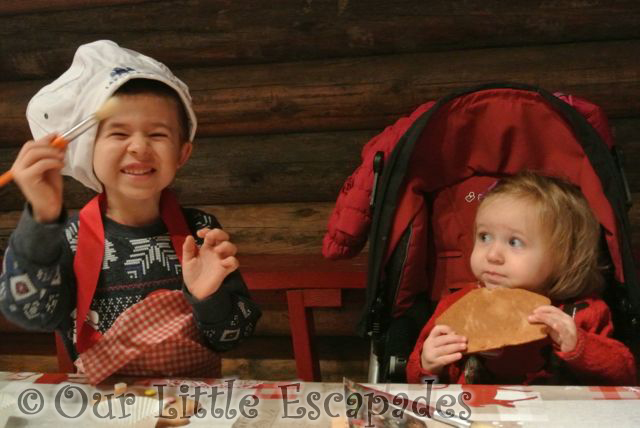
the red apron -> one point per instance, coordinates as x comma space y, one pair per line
156, 336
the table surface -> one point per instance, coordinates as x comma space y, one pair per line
62, 399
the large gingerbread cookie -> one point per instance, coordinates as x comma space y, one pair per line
494, 318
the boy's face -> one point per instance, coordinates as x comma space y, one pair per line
138, 149
511, 248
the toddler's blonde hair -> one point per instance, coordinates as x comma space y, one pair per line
572, 231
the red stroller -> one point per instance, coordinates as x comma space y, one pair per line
416, 193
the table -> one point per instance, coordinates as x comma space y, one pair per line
58, 400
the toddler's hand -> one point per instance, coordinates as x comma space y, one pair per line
36, 171
562, 327
204, 268
441, 348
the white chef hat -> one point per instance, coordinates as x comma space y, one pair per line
97, 71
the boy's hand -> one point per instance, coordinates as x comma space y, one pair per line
204, 268
441, 348
562, 327
36, 171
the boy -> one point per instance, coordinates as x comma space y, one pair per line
106, 279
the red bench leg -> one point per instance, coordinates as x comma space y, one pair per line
300, 303
302, 331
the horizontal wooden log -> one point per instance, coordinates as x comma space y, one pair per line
275, 228
220, 32
14, 7
255, 229
371, 92
252, 169
267, 169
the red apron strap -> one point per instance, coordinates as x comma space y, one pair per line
87, 263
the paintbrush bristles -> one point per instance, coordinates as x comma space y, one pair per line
107, 109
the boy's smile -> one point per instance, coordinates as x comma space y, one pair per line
138, 169
138, 150
511, 248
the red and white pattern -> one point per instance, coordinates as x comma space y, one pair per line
157, 336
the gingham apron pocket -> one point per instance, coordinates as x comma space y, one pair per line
157, 335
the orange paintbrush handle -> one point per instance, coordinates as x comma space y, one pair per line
5, 178
59, 142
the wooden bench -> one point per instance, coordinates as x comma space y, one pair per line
308, 282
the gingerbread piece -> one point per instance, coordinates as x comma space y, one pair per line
495, 318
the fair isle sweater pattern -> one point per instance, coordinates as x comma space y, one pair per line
38, 287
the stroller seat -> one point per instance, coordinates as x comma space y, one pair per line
415, 195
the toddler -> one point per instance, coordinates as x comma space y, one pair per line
539, 234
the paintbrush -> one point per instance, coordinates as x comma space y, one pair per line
61, 141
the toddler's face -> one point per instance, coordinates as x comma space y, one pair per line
511, 248
138, 149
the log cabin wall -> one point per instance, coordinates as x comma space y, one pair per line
288, 91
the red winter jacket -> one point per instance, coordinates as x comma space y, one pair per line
597, 358
349, 223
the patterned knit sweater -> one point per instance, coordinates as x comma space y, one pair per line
38, 286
